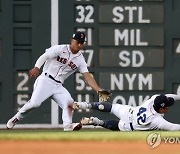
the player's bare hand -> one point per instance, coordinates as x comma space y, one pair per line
33, 73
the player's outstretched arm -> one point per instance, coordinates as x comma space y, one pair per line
174, 96
162, 124
91, 81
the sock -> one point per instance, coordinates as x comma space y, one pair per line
110, 124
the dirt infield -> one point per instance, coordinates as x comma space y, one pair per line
85, 147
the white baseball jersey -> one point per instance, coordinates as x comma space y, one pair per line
143, 117
63, 62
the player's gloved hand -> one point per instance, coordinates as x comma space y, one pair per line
104, 95
34, 72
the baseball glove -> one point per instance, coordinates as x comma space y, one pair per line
104, 95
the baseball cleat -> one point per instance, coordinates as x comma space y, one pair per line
80, 105
90, 121
11, 123
77, 126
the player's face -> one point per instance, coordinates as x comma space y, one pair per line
163, 110
76, 46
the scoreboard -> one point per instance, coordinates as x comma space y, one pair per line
126, 46
133, 49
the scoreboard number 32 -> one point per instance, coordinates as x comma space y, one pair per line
84, 14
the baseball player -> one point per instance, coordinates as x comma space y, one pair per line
148, 116
60, 61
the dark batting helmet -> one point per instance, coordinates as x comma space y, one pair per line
162, 101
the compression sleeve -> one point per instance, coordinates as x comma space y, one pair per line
41, 60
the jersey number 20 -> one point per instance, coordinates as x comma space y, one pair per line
141, 115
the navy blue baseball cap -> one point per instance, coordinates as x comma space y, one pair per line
79, 36
162, 101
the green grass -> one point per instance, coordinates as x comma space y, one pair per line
84, 135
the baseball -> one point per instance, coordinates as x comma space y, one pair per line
101, 107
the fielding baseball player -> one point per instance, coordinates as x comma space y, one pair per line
148, 116
60, 61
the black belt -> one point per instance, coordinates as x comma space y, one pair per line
131, 126
52, 78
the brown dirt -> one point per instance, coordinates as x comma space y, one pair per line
85, 147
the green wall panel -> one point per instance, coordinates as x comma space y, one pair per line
119, 36
25, 27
